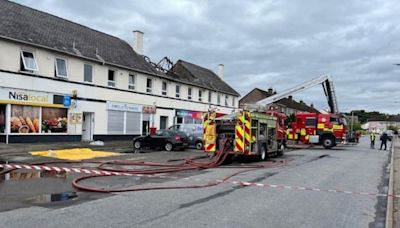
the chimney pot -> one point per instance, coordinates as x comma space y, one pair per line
290, 97
138, 42
270, 91
221, 71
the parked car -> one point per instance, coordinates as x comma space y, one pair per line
162, 139
193, 132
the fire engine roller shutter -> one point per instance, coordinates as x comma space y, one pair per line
133, 122
115, 123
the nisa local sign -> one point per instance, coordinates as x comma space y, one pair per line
25, 96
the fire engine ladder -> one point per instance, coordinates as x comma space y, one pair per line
326, 82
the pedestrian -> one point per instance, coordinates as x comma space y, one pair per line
372, 138
384, 138
358, 134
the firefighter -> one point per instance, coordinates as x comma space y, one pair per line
372, 139
384, 138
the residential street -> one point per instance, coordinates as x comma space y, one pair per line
352, 169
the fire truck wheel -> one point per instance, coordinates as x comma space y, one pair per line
263, 153
328, 142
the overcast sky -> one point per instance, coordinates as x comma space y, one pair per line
276, 43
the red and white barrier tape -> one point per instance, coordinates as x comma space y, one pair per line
241, 183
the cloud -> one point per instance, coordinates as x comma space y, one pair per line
269, 43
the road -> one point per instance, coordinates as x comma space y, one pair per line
353, 169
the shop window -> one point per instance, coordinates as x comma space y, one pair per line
209, 96
24, 119
177, 91
226, 100
132, 82
28, 62
149, 85
54, 120
61, 67
164, 89
111, 78
189, 93
2, 119
200, 95
88, 73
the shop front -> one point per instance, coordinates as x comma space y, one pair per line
31, 116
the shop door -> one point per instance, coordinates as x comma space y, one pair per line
163, 122
87, 126
145, 127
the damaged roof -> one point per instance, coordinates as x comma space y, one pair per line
30, 26
199, 76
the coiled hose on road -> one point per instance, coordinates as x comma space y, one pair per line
186, 165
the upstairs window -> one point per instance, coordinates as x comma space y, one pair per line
131, 83
149, 86
177, 91
189, 93
111, 78
219, 99
200, 95
226, 100
209, 96
88, 73
61, 67
233, 101
28, 62
164, 89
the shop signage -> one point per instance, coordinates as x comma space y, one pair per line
67, 101
191, 114
124, 107
25, 96
149, 109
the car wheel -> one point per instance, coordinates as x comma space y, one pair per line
168, 146
137, 145
199, 145
281, 150
263, 153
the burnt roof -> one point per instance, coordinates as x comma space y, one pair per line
199, 76
27, 25
288, 102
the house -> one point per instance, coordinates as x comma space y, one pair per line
380, 125
62, 81
285, 105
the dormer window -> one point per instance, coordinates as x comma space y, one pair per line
28, 62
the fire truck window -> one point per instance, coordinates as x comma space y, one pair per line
254, 123
311, 122
334, 120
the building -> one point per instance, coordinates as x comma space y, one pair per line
285, 105
380, 125
61, 81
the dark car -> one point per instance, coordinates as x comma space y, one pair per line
162, 139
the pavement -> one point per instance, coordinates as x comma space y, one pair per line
317, 188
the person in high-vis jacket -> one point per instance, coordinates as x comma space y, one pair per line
372, 139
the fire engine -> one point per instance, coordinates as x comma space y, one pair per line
325, 129
242, 133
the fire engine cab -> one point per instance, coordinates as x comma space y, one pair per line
242, 133
324, 129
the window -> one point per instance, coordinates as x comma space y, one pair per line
131, 83
178, 91
226, 100
233, 101
311, 122
111, 78
189, 93
28, 61
88, 73
149, 85
209, 96
61, 68
200, 95
164, 89
219, 99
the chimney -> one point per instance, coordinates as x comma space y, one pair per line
138, 42
290, 97
221, 71
312, 105
270, 91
